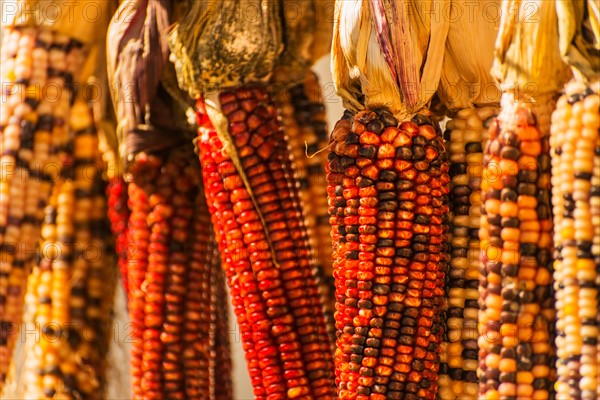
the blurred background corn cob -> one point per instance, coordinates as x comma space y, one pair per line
465, 134
40, 73
517, 314
470, 97
70, 292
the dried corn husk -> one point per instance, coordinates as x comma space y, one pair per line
306, 36
468, 57
323, 29
298, 36
141, 79
85, 21
577, 45
227, 43
529, 49
385, 53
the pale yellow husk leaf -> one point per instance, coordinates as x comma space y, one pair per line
364, 78
469, 54
528, 59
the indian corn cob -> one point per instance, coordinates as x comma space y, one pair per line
220, 354
169, 282
517, 313
264, 248
69, 298
169, 268
388, 186
575, 149
388, 201
252, 197
303, 116
39, 68
118, 214
465, 134
516, 304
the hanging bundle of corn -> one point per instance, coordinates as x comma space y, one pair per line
575, 151
388, 201
42, 61
300, 105
252, 196
469, 93
517, 306
69, 296
170, 265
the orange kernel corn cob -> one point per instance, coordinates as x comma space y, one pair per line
388, 202
516, 303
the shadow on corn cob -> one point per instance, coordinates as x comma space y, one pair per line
118, 214
253, 198
575, 150
70, 291
39, 67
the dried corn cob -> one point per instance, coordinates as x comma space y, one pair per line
38, 70
575, 149
388, 197
264, 248
118, 213
220, 334
516, 311
70, 295
303, 113
169, 277
465, 134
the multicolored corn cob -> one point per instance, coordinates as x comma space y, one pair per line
575, 150
69, 298
38, 70
516, 304
465, 134
388, 201
250, 189
169, 273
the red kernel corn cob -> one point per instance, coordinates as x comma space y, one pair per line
388, 201
516, 303
265, 250
169, 274
118, 214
